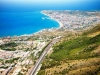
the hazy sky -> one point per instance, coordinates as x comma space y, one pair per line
49, 4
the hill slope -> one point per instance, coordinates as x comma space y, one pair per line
76, 56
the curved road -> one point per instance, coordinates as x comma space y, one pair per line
34, 69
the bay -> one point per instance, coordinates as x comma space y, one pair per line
20, 23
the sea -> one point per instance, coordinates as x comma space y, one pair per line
24, 23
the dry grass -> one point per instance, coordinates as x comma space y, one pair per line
96, 52
94, 34
74, 66
87, 66
84, 71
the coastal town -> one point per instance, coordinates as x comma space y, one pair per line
19, 53
25, 52
74, 19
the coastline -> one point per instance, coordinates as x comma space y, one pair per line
42, 30
60, 24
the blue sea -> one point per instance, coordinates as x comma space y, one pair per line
20, 23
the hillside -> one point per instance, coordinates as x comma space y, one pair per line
75, 56
93, 31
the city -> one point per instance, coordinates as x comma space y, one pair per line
19, 54
74, 19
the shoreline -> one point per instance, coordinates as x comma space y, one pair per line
60, 24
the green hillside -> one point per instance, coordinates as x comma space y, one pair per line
82, 48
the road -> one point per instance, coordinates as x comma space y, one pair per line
34, 69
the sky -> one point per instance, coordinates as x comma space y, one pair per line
29, 5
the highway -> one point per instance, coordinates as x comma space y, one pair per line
34, 69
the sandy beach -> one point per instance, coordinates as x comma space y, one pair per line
60, 24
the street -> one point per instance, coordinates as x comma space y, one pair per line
35, 67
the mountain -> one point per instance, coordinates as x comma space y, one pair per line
75, 54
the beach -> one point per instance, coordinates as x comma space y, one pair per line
60, 24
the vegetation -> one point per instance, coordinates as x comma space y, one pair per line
43, 49
5, 67
32, 57
92, 30
75, 51
9, 46
69, 49
42, 72
11, 60
19, 73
